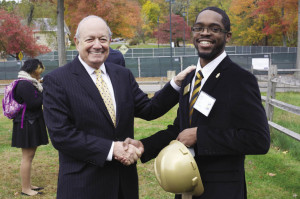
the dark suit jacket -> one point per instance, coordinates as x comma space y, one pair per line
116, 57
82, 131
235, 127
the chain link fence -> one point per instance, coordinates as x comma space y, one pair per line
155, 62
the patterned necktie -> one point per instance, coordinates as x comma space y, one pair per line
105, 94
196, 89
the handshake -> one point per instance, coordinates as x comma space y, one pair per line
129, 151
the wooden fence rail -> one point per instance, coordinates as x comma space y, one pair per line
271, 102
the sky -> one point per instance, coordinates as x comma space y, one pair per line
11, 0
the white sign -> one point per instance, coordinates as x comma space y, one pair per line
260, 63
123, 49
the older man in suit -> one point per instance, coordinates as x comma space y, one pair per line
220, 115
89, 109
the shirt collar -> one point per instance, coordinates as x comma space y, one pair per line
91, 70
211, 66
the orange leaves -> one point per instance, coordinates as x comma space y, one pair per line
255, 22
16, 37
122, 16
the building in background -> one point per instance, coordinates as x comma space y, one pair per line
45, 30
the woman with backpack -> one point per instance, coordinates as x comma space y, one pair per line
29, 130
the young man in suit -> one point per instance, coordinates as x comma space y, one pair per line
220, 115
89, 109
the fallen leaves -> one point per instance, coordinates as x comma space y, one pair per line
271, 174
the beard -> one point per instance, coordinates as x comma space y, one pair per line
208, 56
216, 51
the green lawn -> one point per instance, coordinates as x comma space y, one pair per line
272, 176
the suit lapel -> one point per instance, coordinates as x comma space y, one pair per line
185, 100
84, 80
210, 85
215, 76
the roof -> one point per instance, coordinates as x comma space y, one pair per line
47, 24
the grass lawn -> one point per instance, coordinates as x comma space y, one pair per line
272, 176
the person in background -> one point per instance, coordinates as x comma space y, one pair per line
220, 116
89, 109
33, 132
116, 57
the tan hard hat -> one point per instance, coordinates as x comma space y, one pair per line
176, 170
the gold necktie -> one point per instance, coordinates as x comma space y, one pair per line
105, 94
196, 89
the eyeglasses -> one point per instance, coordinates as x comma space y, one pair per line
209, 29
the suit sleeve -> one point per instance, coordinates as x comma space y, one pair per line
248, 132
158, 105
64, 135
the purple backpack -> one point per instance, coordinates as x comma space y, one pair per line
11, 107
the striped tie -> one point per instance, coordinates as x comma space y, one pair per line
105, 94
196, 89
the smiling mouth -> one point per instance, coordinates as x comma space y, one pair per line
204, 43
96, 53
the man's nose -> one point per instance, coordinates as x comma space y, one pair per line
206, 31
97, 43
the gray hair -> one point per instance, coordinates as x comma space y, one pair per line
88, 17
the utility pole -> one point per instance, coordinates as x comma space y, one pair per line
171, 56
61, 43
184, 14
297, 73
157, 32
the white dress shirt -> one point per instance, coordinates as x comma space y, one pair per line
207, 70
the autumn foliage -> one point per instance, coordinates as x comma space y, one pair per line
122, 16
253, 22
180, 30
16, 37
264, 22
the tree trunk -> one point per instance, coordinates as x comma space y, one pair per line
297, 74
61, 43
283, 39
29, 19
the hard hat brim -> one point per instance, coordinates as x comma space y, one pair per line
175, 155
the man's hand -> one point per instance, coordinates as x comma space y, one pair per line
180, 76
188, 136
138, 144
126, 155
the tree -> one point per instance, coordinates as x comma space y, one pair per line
122, 16
9, 6
246, 26
178, 27
37, 8
16, 37
280, 20
150, 15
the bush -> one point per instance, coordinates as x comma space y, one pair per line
134, 42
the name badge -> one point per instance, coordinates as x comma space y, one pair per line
204, 103
186, 89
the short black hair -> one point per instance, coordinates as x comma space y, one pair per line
31, 65
225, 18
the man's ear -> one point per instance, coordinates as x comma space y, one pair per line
228, 37
76, 41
